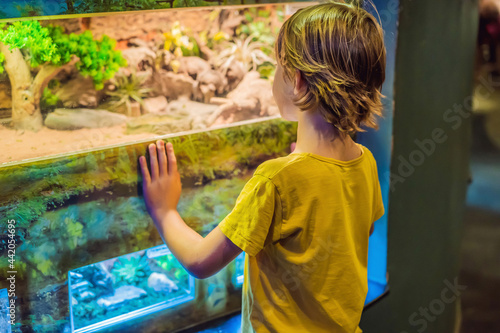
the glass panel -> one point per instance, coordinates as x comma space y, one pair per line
34, 8
127, 287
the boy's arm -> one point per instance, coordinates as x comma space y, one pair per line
202, 257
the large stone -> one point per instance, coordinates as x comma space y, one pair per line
252, 98
70, 119
208, 84
170, 85
123, 294
198, 113
79, 92
155, 104
193, 66
139, 58
161, 283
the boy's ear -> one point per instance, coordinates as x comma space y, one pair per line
299, 82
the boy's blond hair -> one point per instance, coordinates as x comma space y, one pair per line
339, 49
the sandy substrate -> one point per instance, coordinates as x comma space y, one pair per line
18, 145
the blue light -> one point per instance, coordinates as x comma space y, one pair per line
127, 287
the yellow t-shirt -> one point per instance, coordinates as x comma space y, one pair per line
303, 221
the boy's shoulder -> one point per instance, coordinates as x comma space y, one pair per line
278, 166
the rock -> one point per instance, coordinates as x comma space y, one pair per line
86, 296
123, 294
208, 84
155, 105
80, 286
234, 74
79, 92
198, 112
165, 58
170, 85
134, 111
193, 66
139, 58
231, 22
252, 98
161, 283
69, 119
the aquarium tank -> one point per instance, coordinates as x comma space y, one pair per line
85, 86
127, 287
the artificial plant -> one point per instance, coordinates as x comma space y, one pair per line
32, 55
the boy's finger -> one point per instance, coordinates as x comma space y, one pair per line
172, 160
153, 161
162, 157
146, 178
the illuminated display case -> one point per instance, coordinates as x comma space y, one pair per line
88, 257
128, 287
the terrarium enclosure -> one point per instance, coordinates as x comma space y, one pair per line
85, 82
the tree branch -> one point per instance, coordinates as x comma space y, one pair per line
47, 73
17, 68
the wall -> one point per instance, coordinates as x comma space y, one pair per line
434, 63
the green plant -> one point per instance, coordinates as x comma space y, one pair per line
172, 266
178, 41
246, 53
74, 229
261, 31
27, 44
117, 5
29, 8
259, 25
130, 271
127, 89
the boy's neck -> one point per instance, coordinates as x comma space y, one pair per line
316, 136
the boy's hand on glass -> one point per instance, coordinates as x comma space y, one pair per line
162, 187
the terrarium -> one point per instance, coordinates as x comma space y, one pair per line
127, 287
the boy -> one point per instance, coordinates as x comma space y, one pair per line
304, 219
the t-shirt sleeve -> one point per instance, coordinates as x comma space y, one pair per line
256, 217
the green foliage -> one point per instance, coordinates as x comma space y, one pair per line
74, 232
130, 271
248, 53
178, 41
50, 45
29, 8
261, 32
127, 89
118, 5
172, 266
48, 98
